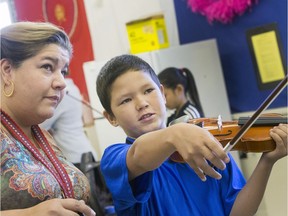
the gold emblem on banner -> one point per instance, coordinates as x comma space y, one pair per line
61, 13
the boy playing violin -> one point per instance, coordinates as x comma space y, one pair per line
140, 175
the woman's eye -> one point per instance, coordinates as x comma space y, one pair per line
64, 72
47, 67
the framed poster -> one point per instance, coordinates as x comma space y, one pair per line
267, 55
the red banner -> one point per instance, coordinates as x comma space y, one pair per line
71, 16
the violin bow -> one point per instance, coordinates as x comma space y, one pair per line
255, 116
86, 104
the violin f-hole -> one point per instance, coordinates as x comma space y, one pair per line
229, 132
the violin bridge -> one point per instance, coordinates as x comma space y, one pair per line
219, 122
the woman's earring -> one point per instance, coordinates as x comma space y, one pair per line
12, 90
114, 123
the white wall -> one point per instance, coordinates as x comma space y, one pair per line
107, 19
275, 200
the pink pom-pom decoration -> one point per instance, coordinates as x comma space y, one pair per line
220, 10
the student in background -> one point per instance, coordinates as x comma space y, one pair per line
139, 173
181, 93
66, 125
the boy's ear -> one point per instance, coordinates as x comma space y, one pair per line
112, 120
162, 92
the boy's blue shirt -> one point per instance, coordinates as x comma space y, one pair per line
171, 189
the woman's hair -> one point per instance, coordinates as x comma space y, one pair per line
23, 40
171, 77
115, 68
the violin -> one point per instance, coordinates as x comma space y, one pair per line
242, 137
257, 139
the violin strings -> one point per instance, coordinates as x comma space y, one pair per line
255, 116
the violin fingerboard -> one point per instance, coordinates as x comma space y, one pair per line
264, 121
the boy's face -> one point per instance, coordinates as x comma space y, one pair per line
137, 103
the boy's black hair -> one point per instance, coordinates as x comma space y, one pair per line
115, 68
